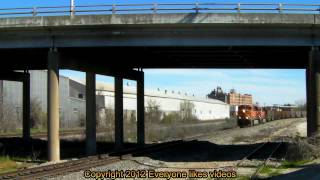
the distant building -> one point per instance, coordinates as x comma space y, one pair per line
235, 98
218, 94
232, 98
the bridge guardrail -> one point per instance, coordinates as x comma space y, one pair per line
157, 8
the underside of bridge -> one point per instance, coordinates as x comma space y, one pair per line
127, 62
160, 57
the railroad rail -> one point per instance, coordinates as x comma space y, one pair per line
69, 132
263, 152
91, 161
84, 163
157, 8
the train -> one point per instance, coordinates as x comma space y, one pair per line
249, 115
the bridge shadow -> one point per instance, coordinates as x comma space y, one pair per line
204, 151
193, 17
36, 149
307, 172
189, 151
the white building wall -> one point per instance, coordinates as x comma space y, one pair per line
204, 109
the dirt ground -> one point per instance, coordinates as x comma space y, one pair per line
220, 150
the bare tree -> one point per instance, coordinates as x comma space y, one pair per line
152, 112
186, 109
301, 104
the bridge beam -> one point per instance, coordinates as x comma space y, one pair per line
140, 110
313, 92
53, 106
118, 112
26, 106
90, 113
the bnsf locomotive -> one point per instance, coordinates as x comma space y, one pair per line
248, 114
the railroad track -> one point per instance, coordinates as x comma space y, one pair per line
85, 163
264, 153
44, 134
91, 162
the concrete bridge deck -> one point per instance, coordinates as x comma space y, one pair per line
203, 29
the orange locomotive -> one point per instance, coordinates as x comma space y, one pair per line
247, 114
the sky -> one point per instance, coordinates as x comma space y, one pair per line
267, 86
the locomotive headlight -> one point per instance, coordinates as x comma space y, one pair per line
243, 110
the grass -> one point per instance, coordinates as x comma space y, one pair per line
34, 131
10, 164
243, 178
7, 165
293, 164
270, 171
273, 171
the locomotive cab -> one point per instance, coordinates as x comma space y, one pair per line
247, 114
244, 115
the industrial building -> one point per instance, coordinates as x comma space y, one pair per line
233, 98
237, 99
73, 95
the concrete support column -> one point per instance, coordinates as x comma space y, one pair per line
53, 107
91, 113
26, 106
119, 112
313, 92
140, 110
1, 99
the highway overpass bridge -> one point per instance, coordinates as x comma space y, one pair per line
121, 45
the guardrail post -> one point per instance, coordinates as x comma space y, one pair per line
238, 7
34, 11
197, 7
113, 9
280, 8
155, 7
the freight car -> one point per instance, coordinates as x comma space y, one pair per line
248, 114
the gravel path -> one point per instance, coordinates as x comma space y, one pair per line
220, 149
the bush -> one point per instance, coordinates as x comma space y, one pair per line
302, 149
171, 118
9, 120
38, 117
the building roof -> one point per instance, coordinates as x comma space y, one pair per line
163, 93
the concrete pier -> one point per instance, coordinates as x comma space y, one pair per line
140, 110
91, 113
53, 106
118, 112
313, 92
26, 106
